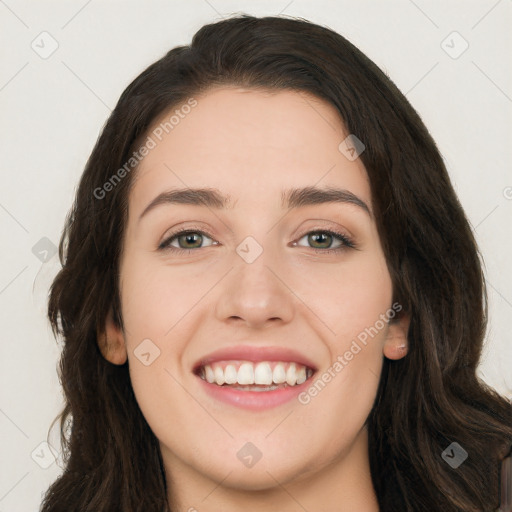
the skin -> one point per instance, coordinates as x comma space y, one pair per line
250, 144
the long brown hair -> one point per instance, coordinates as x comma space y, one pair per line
425, 401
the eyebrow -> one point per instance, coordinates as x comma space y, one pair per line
290, 199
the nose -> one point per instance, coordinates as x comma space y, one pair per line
255, 294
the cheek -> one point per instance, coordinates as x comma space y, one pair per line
348, 299
355, 306
155, 298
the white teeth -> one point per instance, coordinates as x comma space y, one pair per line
209, 374
263, 374
246, 374
291, 375
219, 375
279, 374
256, 374
230, 374
301, 375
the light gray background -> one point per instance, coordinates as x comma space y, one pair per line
53, 109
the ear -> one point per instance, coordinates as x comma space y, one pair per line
111, 341
396, 344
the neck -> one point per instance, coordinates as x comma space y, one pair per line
343, 485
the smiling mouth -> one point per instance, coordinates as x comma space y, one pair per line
252, 376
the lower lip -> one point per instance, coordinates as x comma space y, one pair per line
254, 400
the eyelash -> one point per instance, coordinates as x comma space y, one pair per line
347, 243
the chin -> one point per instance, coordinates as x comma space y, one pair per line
262, 476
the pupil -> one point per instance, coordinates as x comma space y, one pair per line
189, 238
321, 235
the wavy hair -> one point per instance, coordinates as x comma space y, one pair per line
424, 402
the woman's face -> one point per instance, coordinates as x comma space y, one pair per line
259, 287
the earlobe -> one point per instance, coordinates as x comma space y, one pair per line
396, 345
111, 341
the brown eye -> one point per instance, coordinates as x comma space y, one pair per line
190, 240
184, 240
320, 239
323, 240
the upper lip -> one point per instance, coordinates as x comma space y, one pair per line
255, 353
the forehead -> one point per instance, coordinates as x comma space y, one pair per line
250, 143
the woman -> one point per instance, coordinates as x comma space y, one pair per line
315, 346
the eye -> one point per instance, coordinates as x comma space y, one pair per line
322, 240
183, 240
